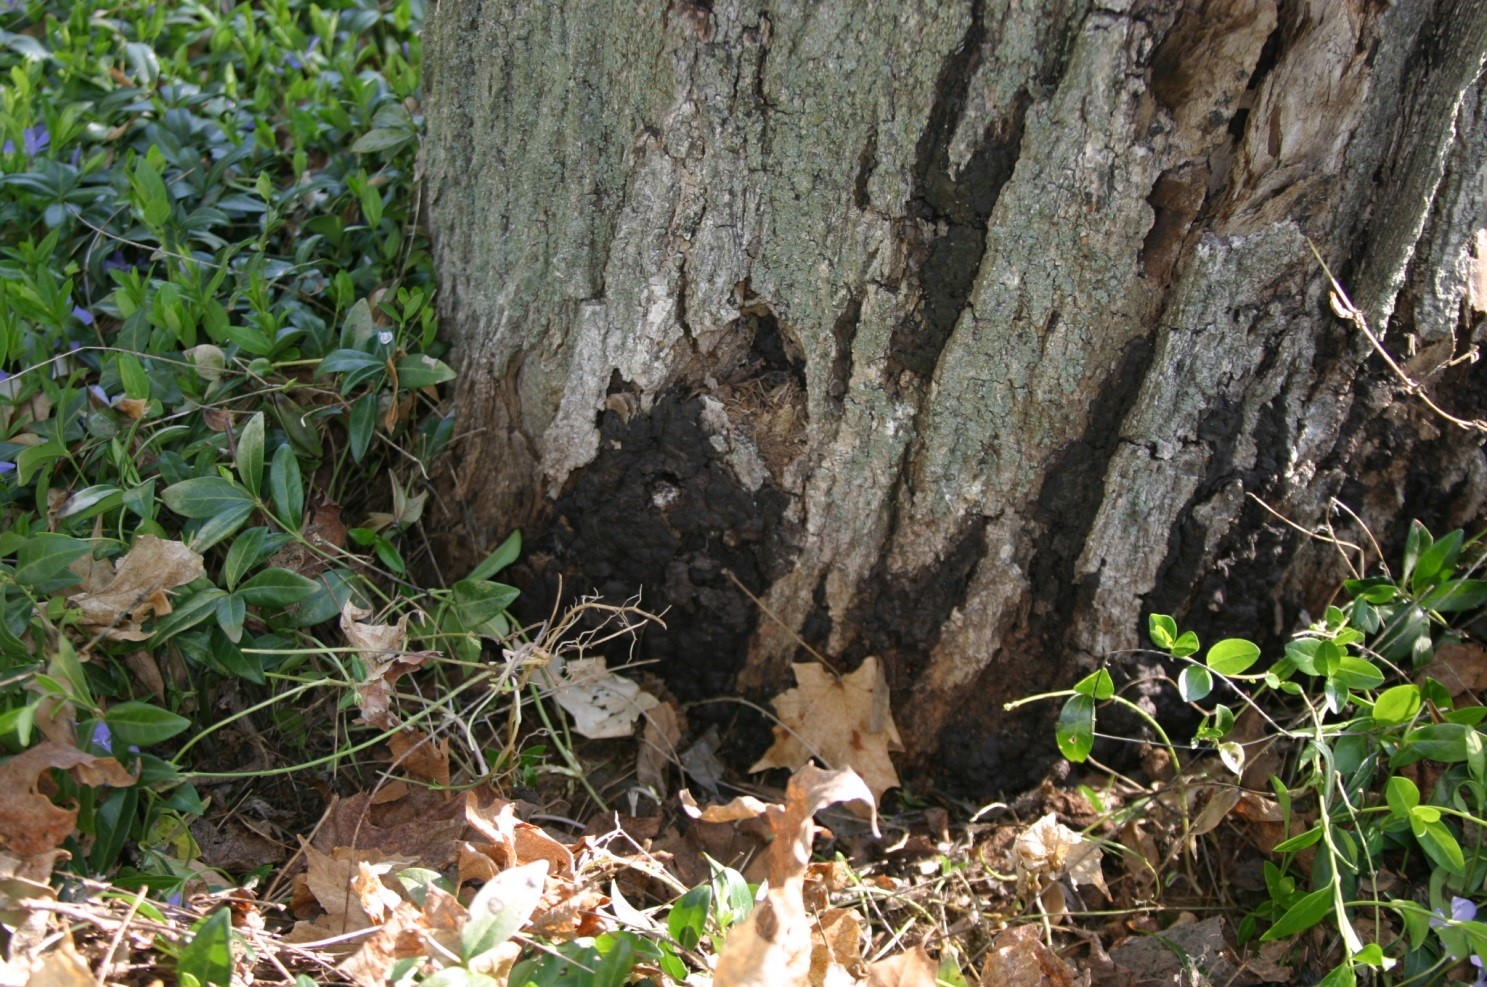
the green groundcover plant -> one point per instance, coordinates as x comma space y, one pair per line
1387, 768
216, 335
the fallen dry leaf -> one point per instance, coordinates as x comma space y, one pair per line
1048, 850
381, 649
1018, 958
836, 949
1460, 666
845, 721
912, 968
602, 704
772, 947
29, 823
663, 731
118, 598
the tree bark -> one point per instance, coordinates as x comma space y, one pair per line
962, 333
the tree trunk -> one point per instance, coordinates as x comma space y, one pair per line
960, 332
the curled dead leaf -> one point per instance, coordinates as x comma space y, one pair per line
601, 704
29, 823
117, 598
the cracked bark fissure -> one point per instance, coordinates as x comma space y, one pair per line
958, 332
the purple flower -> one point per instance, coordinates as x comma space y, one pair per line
102, 737
116, 262
83, 315
295, 62
1462, 910
6, 468
36, 139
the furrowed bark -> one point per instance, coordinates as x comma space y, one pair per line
960, 333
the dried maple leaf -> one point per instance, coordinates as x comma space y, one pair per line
845, 721
29, 823
119, 598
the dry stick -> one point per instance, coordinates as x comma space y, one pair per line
783, 626
1329, 539
100, 976
1343, 308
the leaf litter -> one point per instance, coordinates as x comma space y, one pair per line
442, 869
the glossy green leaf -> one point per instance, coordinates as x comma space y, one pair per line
205, 497
1397, 705
1098, 685
1075, 731
1301, 916
1162, 630
505, 554
687, 921
141, 724
422, 371
250, 454
1232, 656
1402, 796
501, 908
1194, 683
286, 487
207, 955
1353, 672
276, 588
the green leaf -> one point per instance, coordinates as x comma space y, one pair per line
1300, 841
286, 487
132, 376
205, 497
232, 610
250, 454
1301, 916
1341, 975
221, 526
1417, 541
1439, 843
1097, 685
242, 555
1402, 796
418, 370
277, 588
151, 195
1194, 683
732, 895
381, 139
363, 425
1444, 742
1397, 705
207, 955
1437, 561
1075, 732
1353, 672
477, 601
501, 908
1162, 629
42, 560
1232, 656
1456, 596
91, 501
503, 556
141, 724
1185, 645
687, 921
